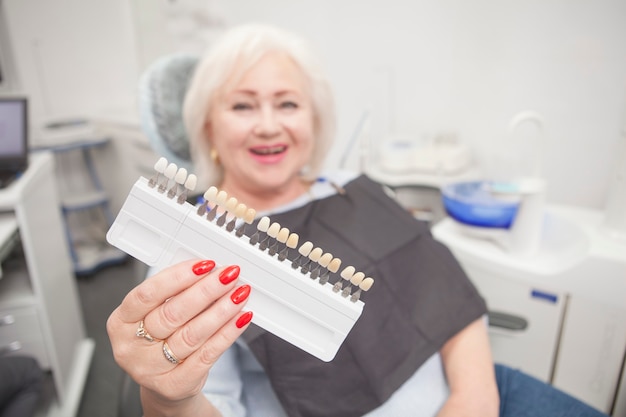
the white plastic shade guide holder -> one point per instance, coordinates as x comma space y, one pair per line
292, 294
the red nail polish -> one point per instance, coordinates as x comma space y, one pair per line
240, 294
244, 319
203, 267
229, 274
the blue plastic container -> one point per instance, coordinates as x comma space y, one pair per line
474, 203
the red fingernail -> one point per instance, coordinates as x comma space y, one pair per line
203, 267
240, 294
244, 319
229, 274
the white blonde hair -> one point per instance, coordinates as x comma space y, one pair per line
233, 54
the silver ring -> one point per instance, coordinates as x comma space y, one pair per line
169, 355
142, 332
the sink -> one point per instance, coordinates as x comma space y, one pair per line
563, 244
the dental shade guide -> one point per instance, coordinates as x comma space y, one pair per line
161, 228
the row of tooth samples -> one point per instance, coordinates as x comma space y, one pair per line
309, 259
181, 183
216, 201
225, 211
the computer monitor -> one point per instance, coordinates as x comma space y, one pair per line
13, 135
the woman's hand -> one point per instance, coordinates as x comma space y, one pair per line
170, 329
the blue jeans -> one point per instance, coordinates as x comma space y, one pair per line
524, 396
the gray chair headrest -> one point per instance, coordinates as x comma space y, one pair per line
162, 89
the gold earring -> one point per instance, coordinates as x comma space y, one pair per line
214, 156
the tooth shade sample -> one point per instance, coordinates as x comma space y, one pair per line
264, 224
191, 182
181, 176
292, 241
160, 165
315, 254
334, 265
348, 272
366, 284
283, 235
305, 249
357, 278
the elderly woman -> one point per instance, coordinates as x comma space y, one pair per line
259, 114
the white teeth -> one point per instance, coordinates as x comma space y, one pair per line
315, 254
325, 259
366, 284
292, 241
357, 278
263, 224
269, 150
170, 171
191, 182
306, 248
231, 204
221, 198
160, 165
240, 210
249, 216
273, 230
283, 235
348, 272
210, 195
181, 176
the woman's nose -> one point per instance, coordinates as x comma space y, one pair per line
268, 124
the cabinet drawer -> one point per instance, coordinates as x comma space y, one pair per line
533, 345
20, 334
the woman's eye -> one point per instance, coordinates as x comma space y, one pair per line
289, 105
242, 106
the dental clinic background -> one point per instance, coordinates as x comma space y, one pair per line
428, 70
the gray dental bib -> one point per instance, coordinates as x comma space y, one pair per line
421, 297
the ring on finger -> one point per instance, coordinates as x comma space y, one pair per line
142, 332
169, 355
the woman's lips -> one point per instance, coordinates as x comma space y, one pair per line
268, 154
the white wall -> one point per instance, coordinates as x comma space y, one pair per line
73, 57
422, 67
469, 67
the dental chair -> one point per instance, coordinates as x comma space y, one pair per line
162, 90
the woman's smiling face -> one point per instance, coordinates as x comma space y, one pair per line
263, 130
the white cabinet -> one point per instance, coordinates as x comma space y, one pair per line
40, 313
533, 345
572, 294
